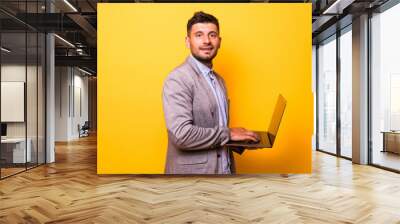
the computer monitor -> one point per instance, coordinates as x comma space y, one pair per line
3, 129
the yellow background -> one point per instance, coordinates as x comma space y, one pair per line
265, 51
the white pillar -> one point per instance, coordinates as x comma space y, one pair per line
50, 99
50, 92
360, 90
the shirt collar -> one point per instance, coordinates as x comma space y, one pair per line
202, 67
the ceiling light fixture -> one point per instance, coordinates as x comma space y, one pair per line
64, 40
71, 6
5, 50
337, 7
84, 71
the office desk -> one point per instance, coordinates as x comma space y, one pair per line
391, 141
13, 150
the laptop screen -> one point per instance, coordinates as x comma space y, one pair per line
276, 118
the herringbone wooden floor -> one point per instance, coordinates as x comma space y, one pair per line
70, 191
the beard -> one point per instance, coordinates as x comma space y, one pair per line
205, 60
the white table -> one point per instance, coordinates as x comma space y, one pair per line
18, 149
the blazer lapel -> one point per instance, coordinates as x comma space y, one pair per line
203, 82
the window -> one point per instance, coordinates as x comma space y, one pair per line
327, 95
385, 88
346, 93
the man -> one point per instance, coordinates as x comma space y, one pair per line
196, 107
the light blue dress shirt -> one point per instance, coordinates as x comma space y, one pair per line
224, 159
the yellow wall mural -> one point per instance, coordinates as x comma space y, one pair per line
265, 51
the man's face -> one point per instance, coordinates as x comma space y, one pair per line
204, 41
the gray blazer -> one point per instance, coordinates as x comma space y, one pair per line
191, 116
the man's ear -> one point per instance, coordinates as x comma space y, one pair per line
187, 42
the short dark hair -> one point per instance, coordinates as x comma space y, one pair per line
201, 17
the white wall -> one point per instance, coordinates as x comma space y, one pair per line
81, 102
71, 102
62, 81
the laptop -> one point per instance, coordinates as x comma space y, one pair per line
267, 138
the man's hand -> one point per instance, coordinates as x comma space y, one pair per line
241, 134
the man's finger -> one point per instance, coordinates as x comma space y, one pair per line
251, 137
252, 134
246, 137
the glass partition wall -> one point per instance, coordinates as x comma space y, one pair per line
13, 91
22, 88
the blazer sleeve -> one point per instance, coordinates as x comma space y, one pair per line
177, 105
